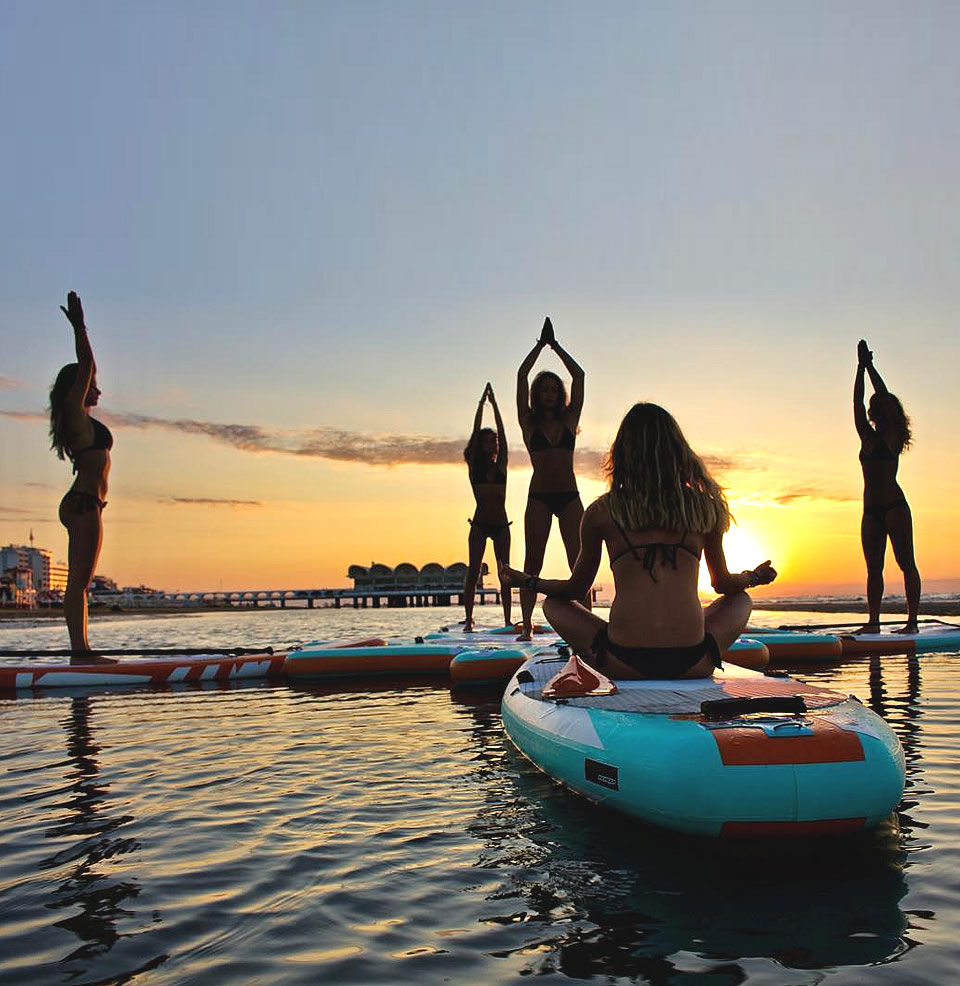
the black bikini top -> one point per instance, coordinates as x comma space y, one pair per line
538, 440
493, 476
646, 553
102, 441
879, 453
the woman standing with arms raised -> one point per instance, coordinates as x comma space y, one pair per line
884, 431
86, 442
662, 512
486, 457
549, 426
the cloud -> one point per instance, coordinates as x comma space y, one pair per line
812, 493
321, 443
206, 501
791, 495
23, 513
340, 445
7, 384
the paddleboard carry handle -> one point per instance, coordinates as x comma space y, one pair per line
730, 708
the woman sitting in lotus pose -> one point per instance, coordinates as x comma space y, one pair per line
486, 456
662, 512
884, 431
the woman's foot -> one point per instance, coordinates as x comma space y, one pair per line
468, 626
526, 634
910, 627
870, 627
91, 657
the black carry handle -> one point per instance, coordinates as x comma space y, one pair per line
730, 708
140, 652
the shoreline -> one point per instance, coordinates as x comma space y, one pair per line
896, 607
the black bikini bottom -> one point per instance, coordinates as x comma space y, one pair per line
658, 662
85, 501
880, 510
490, 530
557, 502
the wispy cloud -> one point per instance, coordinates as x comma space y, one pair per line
7, 384
812, 493
340, 445
791, 495
207, 501
24, 513
321, 443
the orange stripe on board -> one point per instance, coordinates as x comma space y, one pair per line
373, 664
483, 670
856, 648
759, 830
742, 746
801, 652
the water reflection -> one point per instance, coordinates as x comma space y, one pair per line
902, 712
93, 899
599, 894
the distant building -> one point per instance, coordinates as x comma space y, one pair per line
47, 576
408, 577
17, 588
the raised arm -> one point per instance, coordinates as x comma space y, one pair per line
501, 431
878, 385
859, 409
523, 381
584, 569
86, 365
722, 579
478, 417
576, 372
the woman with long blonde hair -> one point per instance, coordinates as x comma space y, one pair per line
662, 512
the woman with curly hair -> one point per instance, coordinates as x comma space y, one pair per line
662, 512
884, 431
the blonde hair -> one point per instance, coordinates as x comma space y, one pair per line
656, 479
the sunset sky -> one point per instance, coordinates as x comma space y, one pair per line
306, 235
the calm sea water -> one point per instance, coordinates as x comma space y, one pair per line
385, 832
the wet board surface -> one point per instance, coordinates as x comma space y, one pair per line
144, 671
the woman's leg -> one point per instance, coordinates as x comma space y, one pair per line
84, 538
726, 617
476, 544
569, 520
900, 527
873, 537
536, 529
576, 624
501, 550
